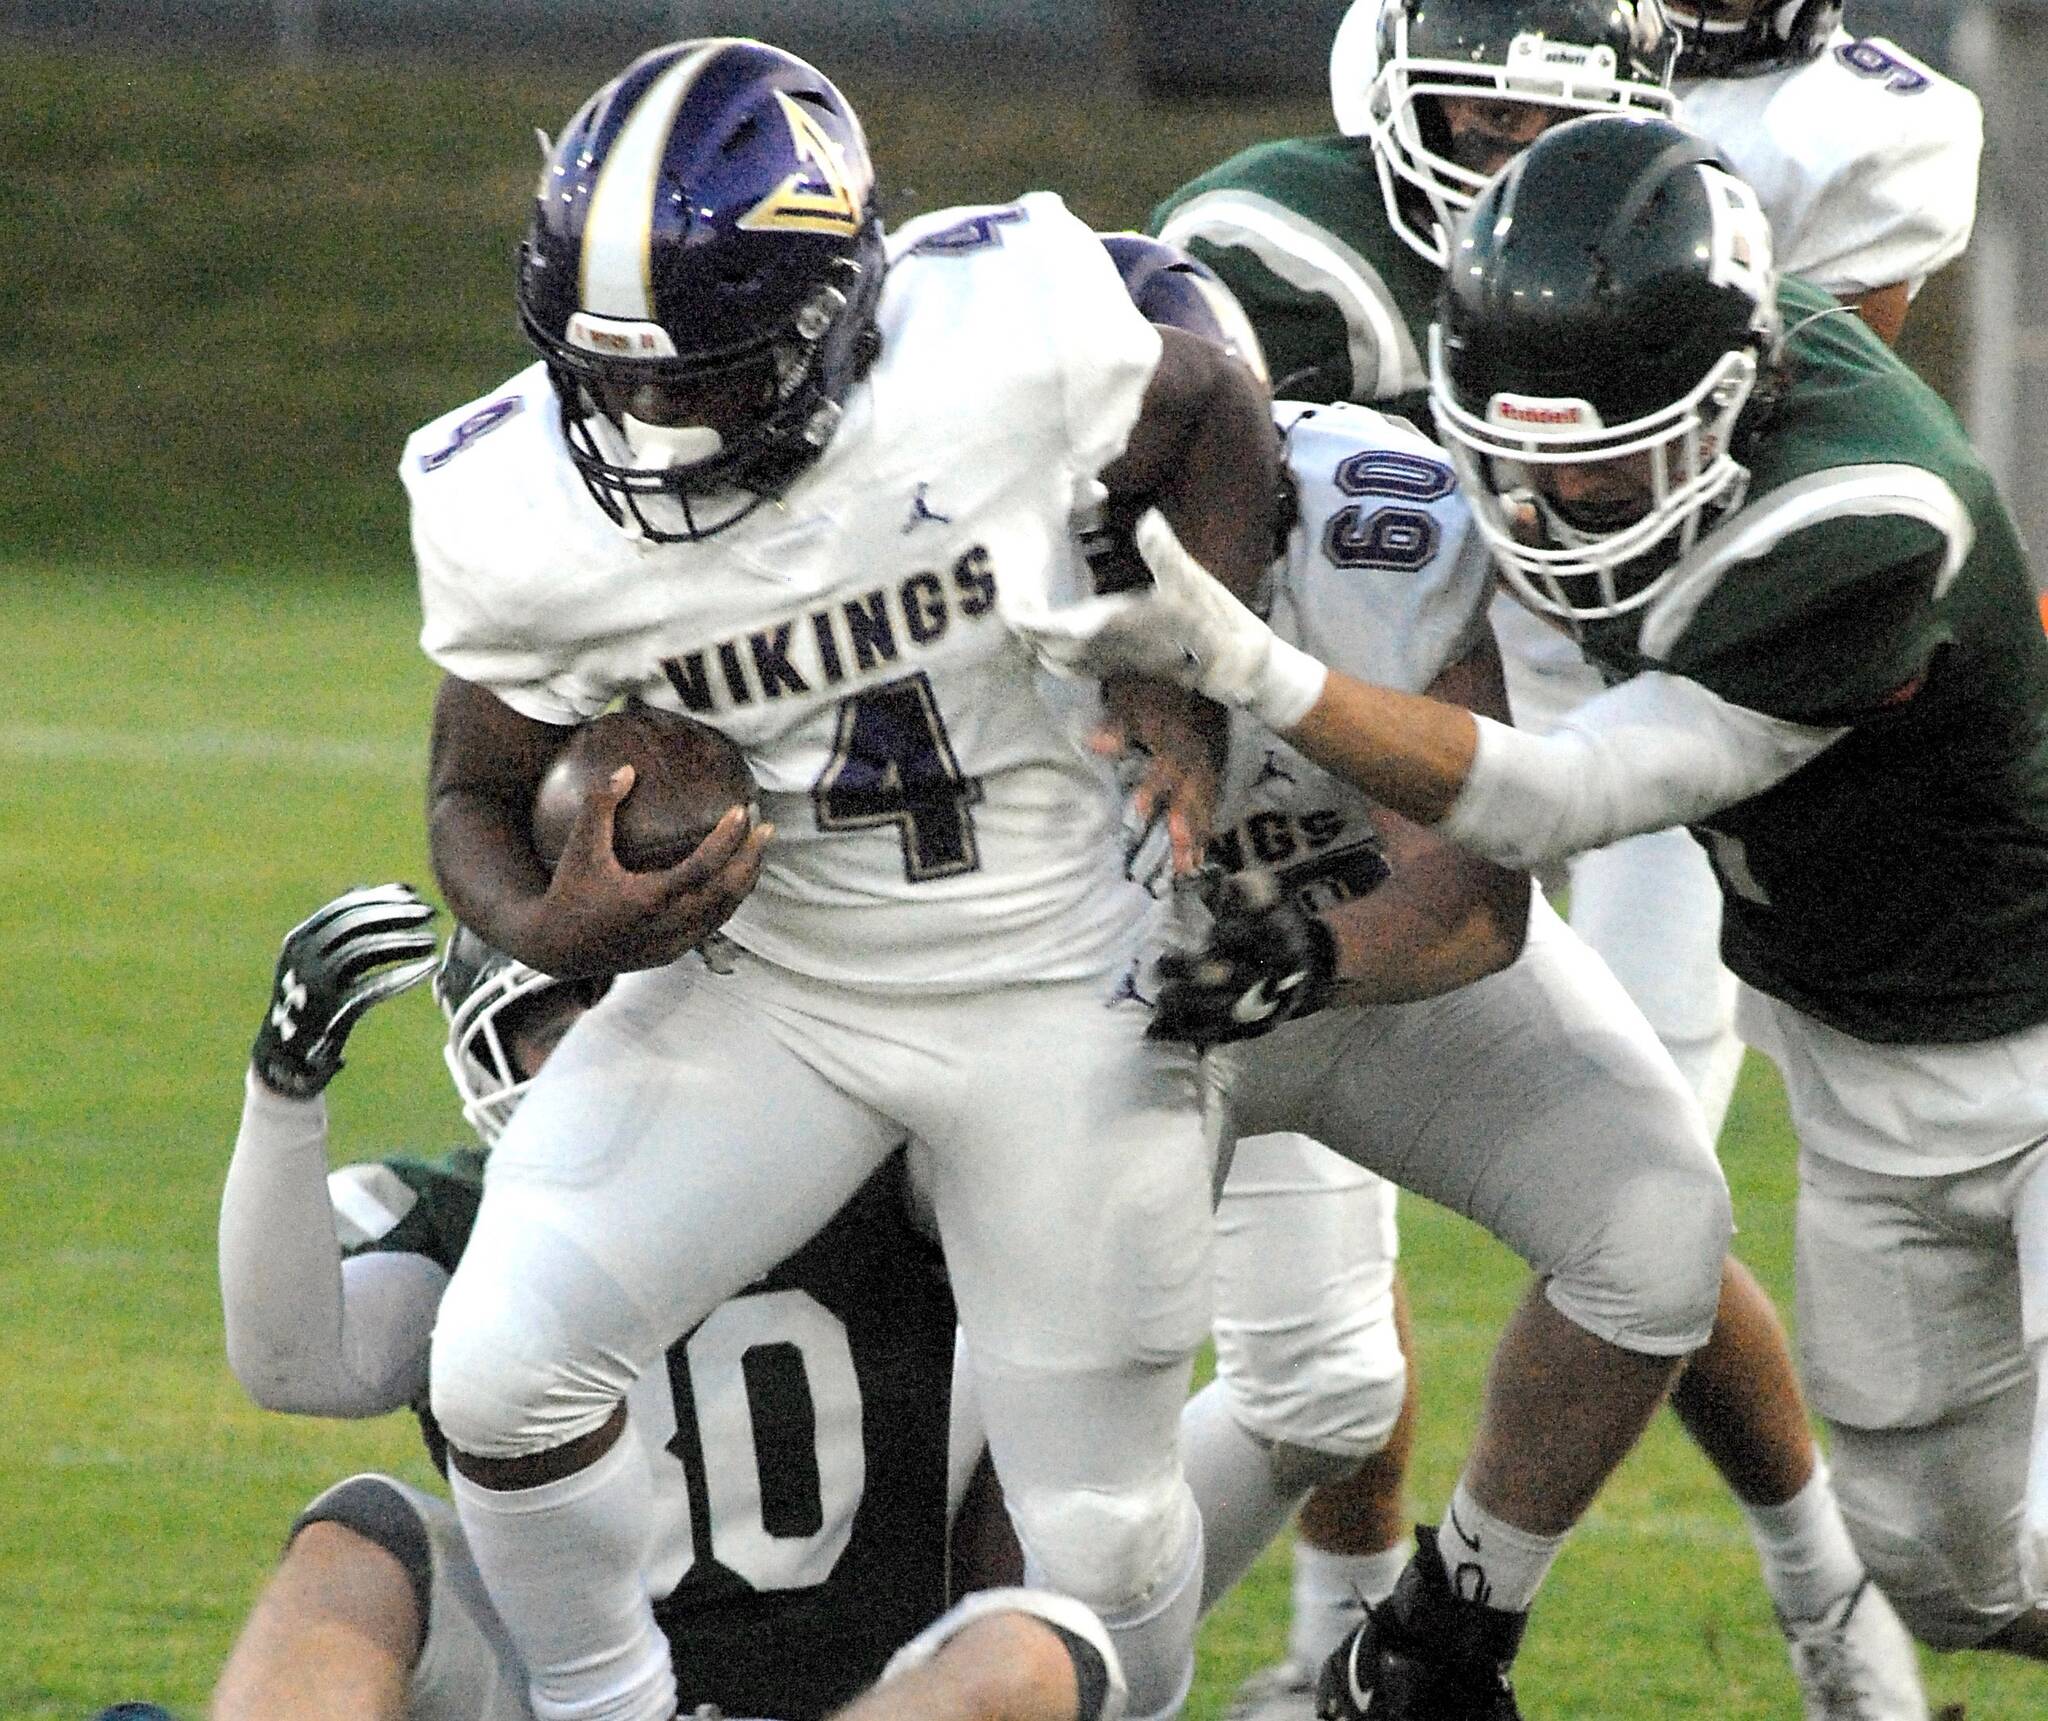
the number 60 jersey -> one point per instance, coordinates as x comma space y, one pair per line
849, 638
1382, 578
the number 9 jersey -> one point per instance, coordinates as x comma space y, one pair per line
1864, 159
850, 638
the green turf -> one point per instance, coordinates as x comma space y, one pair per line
194, 760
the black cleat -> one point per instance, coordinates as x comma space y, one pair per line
135, 1712
1424, 1654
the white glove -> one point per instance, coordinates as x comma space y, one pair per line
1185, 629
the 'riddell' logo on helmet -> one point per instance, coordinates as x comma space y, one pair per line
613, 338
1542, 412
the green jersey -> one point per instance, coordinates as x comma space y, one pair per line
1298, 231
1896, 886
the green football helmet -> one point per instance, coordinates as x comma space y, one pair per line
486, 996
1608, 308
1776, 35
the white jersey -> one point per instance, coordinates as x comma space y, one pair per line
939, 824
1383, 579
1865, 160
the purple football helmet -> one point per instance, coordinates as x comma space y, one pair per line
701, 274
1173, 288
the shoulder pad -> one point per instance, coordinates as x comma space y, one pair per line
369, 1201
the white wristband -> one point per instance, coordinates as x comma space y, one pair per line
1288, 685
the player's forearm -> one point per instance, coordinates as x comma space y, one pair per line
1407, 752
484, 863
300, 1337
280, 1265
485, 761
1440, 922
1656, 751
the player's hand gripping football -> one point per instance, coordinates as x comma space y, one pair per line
1266, 961
600, 918
1184, 628
337, 964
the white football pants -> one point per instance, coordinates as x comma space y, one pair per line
693, 1129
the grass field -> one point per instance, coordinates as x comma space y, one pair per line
231, 290
191, 762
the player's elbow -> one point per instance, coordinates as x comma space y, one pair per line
273, 1382
279, 1376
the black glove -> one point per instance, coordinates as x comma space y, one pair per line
336, 964
1266, 961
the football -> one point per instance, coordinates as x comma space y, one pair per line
685, 777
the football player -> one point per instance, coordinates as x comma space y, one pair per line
1447, 1054
1507, 1081
788, 476
1866, 162
1817, 615
1335, 247
797, 1438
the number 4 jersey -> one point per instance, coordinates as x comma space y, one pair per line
916, 764
797, 1438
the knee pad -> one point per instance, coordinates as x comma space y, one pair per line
1650, 1281
1328, 1412
1306, 1345
1943, 1541
1109, 1548
496, 1390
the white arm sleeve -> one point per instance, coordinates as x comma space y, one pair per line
1656, 751
306, 1331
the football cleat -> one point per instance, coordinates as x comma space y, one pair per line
1424, 1654
135, 1712
1855, 1662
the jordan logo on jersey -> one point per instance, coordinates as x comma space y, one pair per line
829, 645
921, 511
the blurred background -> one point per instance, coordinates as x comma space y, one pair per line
251, 242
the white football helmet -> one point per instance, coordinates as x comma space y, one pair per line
1394, 61
483, 992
